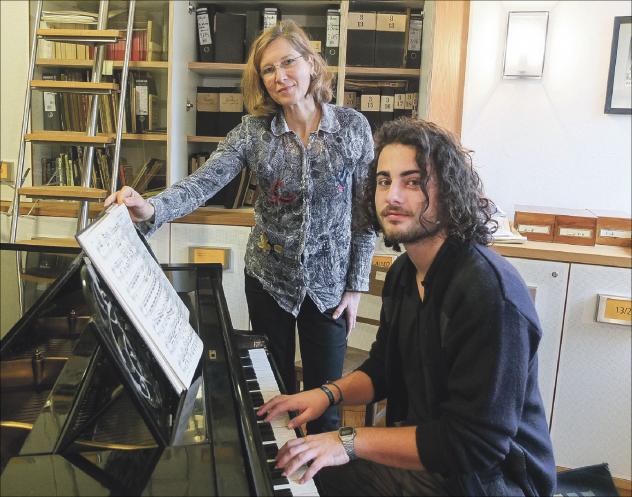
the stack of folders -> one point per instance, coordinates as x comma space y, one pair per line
226, 36
384, 39
380, 100
218, 110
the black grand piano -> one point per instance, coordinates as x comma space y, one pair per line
85, 410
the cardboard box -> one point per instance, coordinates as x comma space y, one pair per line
613, 228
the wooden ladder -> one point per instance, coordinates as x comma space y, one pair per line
86, 193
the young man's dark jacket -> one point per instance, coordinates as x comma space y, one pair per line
487, 430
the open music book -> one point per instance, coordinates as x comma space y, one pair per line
144, 292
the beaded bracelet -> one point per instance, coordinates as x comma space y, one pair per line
329, 394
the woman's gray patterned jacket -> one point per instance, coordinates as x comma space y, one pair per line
311, 235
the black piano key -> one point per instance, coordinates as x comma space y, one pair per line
283, 492
253, 385
249, 373
280, 481
271, 451
257, 399
246, 361
267, 437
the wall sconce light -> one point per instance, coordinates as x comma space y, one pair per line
526, 44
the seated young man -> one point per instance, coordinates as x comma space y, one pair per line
455, 354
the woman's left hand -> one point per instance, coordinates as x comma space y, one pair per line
349, 302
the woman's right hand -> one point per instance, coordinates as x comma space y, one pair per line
139, 209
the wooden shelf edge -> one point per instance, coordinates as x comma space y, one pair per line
600, 255
117, 64
220, 216
145, 137
224, 68
204, 139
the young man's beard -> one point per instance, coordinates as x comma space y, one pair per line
422, 231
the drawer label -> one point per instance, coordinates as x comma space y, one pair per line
576, 232
608, 233
613, 309
534, 228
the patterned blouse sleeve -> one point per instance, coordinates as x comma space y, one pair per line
191, 192
362, 234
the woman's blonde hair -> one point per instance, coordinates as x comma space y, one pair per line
256, 98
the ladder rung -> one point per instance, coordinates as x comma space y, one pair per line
82, 36
64, 192
76, 137
50, 242
74, 86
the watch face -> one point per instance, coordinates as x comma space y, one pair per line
346, 430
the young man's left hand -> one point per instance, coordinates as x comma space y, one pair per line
323, 449
349, 302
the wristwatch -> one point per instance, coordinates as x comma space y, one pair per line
347, 434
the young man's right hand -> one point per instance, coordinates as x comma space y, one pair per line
310, 405
139, 209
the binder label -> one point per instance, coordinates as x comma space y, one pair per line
316, 45
49, 102
333, 31
231, 102
400, 101
269, 18
414, 35
351, 99
391, 22
208, 102
370, 103
410, 101
362, 21
204, 27
386, 103
142, 100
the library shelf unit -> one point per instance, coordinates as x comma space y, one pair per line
55, 61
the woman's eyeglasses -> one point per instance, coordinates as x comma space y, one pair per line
269, 71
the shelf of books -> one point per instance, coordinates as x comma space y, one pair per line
143, 158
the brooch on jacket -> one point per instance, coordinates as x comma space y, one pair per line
264, 245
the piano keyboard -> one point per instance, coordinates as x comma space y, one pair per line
262, 386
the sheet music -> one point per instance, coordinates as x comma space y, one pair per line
144, 292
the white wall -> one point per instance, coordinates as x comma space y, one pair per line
14, 54
548, 142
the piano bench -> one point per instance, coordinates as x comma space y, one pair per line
353, 358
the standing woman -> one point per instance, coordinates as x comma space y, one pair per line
309, 253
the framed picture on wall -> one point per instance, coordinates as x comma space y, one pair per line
619, 91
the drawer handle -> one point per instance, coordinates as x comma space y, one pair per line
206, 255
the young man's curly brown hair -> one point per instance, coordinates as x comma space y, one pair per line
464, 212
